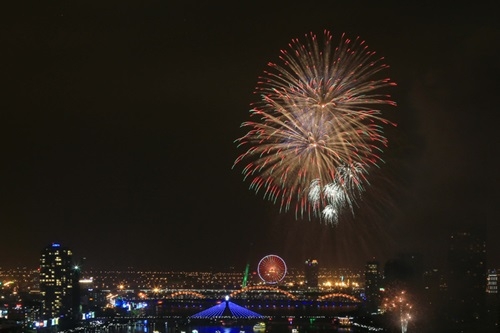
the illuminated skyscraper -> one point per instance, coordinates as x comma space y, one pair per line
57, 282
311, 272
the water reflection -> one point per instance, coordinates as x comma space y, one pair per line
164, 327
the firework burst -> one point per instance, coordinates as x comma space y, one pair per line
316, 131
400, 306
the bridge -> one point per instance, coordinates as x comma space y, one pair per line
261, 292
261, 300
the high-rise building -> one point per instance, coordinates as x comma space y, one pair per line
311, 273
492, 284
405, 271
493, 298
372, 285
57, 282
467, 277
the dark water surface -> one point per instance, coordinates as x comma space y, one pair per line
159, 327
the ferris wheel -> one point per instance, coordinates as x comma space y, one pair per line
271, 269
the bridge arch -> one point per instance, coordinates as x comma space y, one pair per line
263, 288
181, 294
338, 296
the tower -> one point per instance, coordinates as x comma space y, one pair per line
57, 282
311, 272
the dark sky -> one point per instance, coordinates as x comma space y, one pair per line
117, 124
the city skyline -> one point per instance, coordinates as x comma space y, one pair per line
401, 280
119, 123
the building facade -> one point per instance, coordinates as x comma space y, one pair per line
311, 274
467, 277
57, 282
492, 282
373, 281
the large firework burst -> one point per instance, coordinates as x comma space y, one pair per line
317, 130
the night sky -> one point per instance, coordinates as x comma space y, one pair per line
118, 121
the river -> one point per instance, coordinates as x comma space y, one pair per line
166, 327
